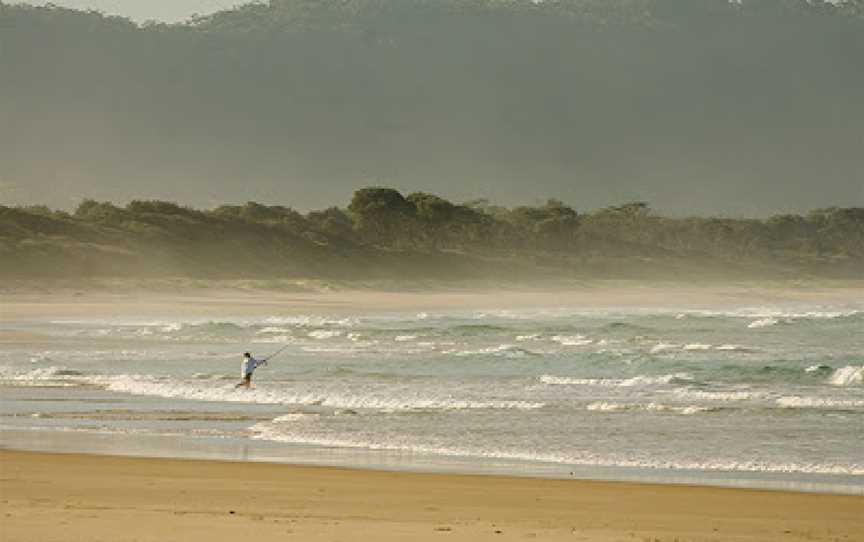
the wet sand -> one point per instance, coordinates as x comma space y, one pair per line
70, 497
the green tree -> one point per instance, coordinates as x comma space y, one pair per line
383, 216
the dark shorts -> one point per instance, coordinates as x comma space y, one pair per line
248, 377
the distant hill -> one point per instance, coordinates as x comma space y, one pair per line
697, 106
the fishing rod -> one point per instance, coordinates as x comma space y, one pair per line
276, 353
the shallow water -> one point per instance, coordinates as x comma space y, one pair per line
755, 394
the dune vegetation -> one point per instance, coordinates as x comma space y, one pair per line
383, 234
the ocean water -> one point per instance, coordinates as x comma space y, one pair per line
755, 396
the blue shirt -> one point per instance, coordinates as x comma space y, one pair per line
249, 365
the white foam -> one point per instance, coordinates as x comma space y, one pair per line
574, 340
847, 376
820, 315
271, 330
311, 321
39, 358
698, 347
643, 380
354, 348
53, 377
275, 339
694, 409
566, 381
342, 398
359, 340
733, 348
766, 313
294, 417
605, 406
639, 380
502, 350
325, 334
40, 374
763, 322
794, 401
309, 436
404, 338
824, 315
721, 396
663, 347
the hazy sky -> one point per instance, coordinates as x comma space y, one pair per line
143, 10
761, 118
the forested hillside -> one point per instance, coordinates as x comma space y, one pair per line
383, 234
699, 106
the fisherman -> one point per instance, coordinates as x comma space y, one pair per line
249, 366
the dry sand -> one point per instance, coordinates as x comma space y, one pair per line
48, 497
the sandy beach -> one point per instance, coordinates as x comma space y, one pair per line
74, 497
50, 497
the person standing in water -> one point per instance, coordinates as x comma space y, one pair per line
249, 366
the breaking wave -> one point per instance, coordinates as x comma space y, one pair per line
502, 350
720, 396
574, 340
847, 376
819, 402
346, 399
763, 322
639, 380
606, 406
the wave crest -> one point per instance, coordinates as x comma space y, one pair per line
638, 380
847, 376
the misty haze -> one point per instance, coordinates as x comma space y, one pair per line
427, 270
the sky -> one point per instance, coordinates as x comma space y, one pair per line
144, 10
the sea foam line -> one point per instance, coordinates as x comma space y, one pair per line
639, 380
310, 435
346, 399
721, 396
606, 406
795, 401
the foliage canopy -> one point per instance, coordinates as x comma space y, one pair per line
384, 234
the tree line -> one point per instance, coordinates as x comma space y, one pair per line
382, 233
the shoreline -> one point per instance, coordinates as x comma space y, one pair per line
169, 447
88, 497
261, 490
